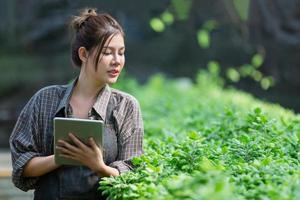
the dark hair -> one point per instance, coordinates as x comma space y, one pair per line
92, 30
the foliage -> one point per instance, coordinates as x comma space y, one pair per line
179, 10
206, 142
252, 71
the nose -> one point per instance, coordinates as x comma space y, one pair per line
116, 59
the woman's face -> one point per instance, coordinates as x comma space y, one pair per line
112, 60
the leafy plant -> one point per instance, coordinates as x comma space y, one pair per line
206, 142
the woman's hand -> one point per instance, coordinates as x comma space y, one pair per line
89, 155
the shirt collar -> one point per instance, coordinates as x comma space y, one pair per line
102, 100
66, 98
100, 105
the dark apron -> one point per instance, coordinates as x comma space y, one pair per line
79, 182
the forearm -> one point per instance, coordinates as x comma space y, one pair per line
39, 166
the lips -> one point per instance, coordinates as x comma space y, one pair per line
113, 73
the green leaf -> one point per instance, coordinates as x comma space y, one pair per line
256, 75
233, 74
257, 60
167, 17
203, 38
213, 67
136, 161
193, 135
267, 82
257, 110
157, 25
207, 165
246, 70
210, 25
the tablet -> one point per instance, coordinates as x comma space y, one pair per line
83, 129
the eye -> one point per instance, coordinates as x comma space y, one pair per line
106, 53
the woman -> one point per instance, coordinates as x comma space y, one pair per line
98, 49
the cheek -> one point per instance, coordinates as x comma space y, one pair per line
104, 62
123, 61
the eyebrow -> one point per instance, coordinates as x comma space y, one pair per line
109, 47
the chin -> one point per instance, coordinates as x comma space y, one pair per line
112, 80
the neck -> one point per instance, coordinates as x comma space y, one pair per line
86, 87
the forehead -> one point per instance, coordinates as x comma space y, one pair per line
115, 42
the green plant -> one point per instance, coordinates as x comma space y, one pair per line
206, 142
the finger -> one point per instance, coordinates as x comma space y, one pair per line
93, 144
68, 146
68, 156
77, 141
63, 150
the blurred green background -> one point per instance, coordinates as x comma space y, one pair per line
254, 45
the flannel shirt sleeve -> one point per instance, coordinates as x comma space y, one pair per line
23, 144
130, 141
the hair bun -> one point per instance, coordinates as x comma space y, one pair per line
77, 21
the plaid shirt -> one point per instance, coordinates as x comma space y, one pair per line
33, 133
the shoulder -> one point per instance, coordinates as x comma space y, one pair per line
45, 101
127, 112
50, 92
47, 96
123, 98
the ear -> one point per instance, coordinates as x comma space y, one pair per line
83, 54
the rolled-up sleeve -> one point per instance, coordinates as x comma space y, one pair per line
23, 144
131, 132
